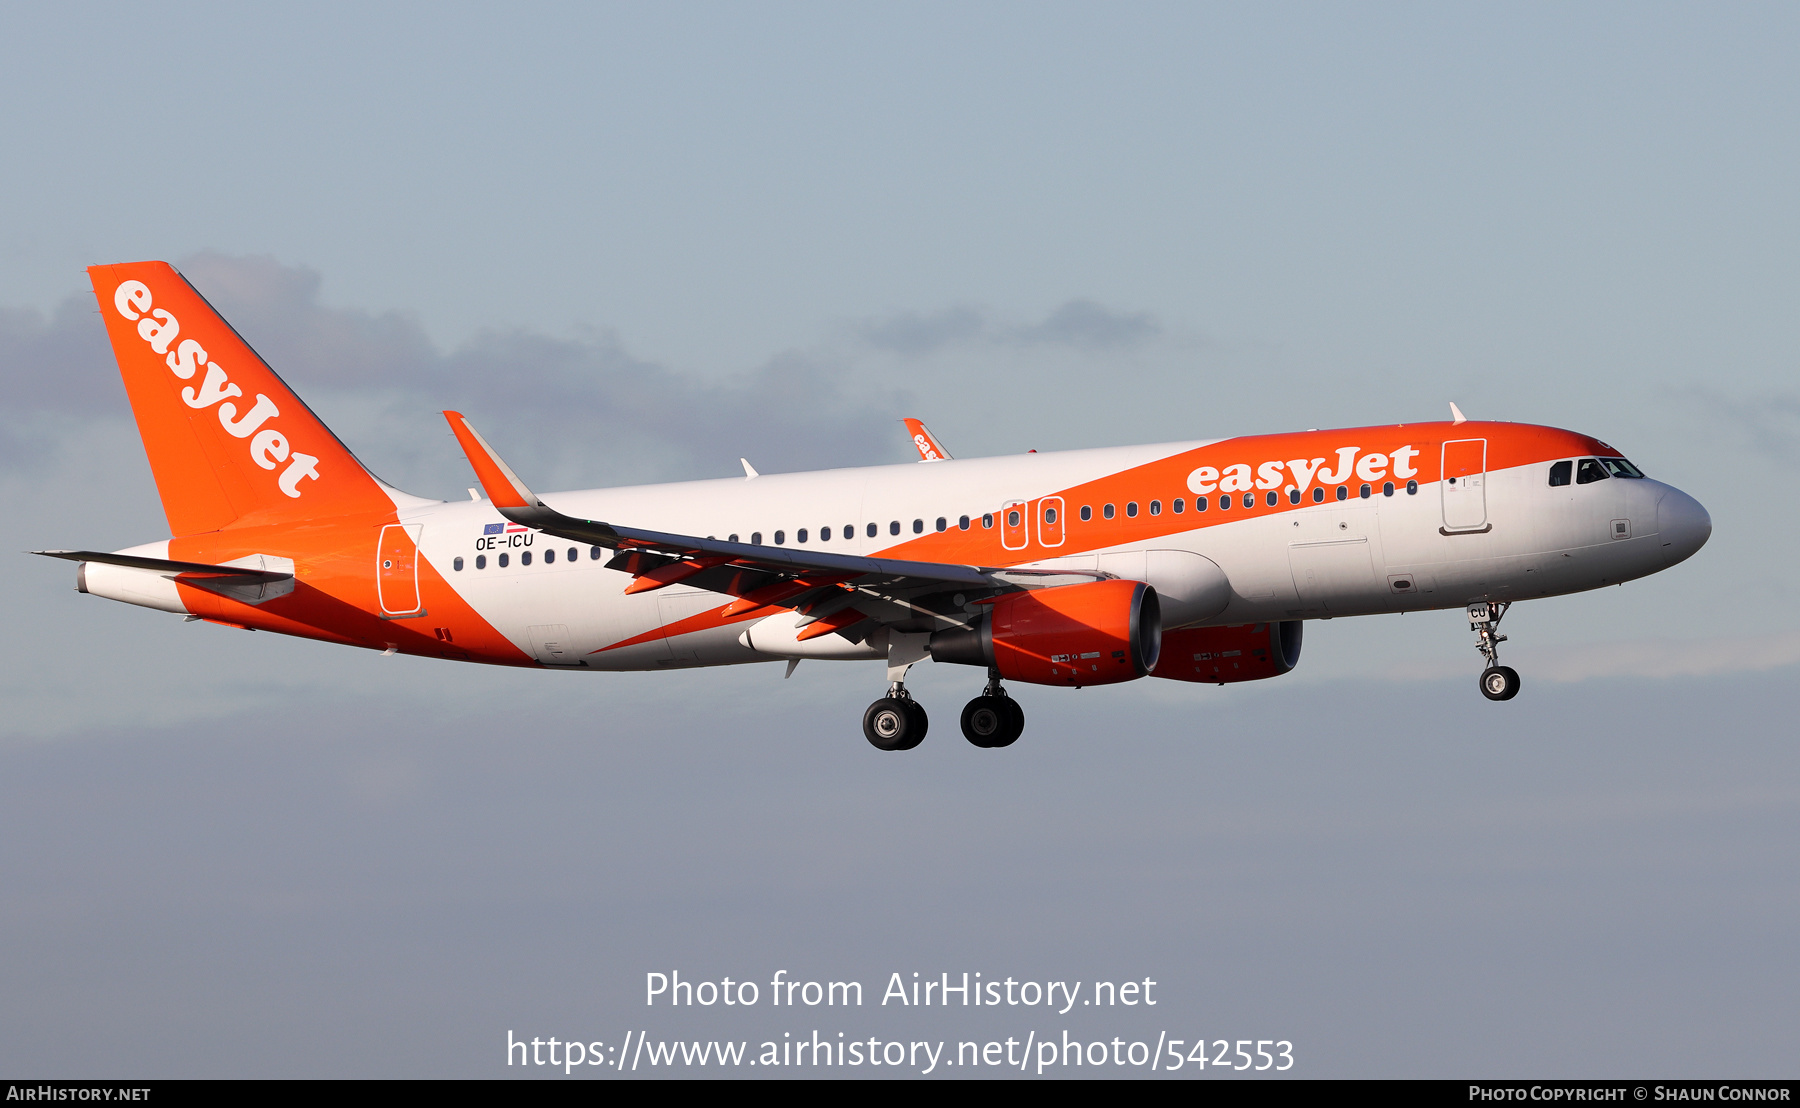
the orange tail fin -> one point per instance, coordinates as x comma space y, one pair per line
228, 441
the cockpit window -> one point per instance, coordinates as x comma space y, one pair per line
1619, 467
1559, 473
1589, 471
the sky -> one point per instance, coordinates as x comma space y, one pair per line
635, 243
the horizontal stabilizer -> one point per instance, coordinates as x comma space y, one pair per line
164, 565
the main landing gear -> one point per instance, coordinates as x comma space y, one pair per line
898, 722
1498, 682
993, 719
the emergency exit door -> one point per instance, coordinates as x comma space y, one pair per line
1465, 485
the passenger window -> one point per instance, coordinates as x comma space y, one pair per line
962, 523
987, 519
481, 561
1318, 494
1412, 488
873, 530
1225, 503
799, 536
942, 524
756, 538
824, 534
1012, 519
1387, 488
1200, 503
549, 557
731, 537
1131, 509
1343, 493
593, 553
1049, 515
525, 558
503, 561
894, 527
457, 565
574, 555
1271, 499
1363, 492
1107, 511
1293, 496
1589, 471
780, 537
1156, 507
1560, 472
918, 527
1087, 513
1178, 505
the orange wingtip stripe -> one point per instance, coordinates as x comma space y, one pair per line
501, 485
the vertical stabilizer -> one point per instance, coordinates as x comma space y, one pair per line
228, 441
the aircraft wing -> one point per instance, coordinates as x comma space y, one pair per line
833, 592
930, 449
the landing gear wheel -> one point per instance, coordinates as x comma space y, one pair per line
992, 721
894, 724
1500, 683
984, 720
1015, 723
917, 724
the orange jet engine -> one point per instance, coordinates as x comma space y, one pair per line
1218, 655
1098, 633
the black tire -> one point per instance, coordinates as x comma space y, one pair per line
1015, 723
1500, 683
886, 724
985, 720
918, 723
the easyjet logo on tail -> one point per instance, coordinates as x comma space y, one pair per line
269, 448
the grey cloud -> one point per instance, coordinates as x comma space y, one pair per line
1086, 324
1768, 424
1080, 323
576, 410
914, 334
424, 872
48, 362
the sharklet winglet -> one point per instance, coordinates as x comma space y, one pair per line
501, 484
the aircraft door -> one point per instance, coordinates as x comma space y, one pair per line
1050, 521
1464, 485
397, 569
1014, 527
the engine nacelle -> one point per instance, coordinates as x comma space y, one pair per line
1218, 655
1097, 633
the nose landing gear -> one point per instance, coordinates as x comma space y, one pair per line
1498, 682
993, 719
896, 721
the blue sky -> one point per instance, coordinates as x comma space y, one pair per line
638, 242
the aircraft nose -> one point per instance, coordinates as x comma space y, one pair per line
1683, 525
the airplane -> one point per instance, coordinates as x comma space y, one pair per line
1193, 561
